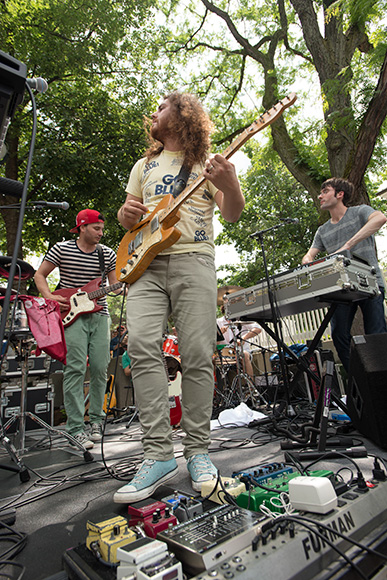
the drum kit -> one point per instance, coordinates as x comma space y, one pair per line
232, 384
171, 355
20, 339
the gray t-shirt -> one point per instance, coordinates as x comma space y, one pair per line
330, 237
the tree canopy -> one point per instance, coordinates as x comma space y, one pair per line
107, 63
333, 54
94, 55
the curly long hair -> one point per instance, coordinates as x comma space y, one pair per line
191, 124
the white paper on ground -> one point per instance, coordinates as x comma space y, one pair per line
240, 416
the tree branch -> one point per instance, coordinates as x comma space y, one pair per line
369, 130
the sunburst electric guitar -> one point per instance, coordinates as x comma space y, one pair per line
155, 232
84, 300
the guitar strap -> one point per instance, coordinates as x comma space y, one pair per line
101, 259
181, 180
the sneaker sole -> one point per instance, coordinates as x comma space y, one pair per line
96, 439
197, 485
133, 496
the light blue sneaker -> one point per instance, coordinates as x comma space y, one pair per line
201, 469
149, 477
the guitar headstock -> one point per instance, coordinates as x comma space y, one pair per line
263, 121
268, 117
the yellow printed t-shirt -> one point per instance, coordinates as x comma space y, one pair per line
149, 181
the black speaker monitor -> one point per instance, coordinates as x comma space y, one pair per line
367, 386
12, 79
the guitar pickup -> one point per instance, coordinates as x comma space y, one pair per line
135, 243
154, 225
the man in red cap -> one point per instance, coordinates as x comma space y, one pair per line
88, 336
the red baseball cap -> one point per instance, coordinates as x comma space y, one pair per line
87, 216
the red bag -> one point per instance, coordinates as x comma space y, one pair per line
45, 323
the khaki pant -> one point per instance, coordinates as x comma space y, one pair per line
184, 285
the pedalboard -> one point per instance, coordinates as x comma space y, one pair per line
152, 515
184, 506
256, 496
212, 536
289, 550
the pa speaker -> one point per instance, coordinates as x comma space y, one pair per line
367, 386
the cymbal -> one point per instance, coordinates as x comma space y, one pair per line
231, 322
26, 271
226, 290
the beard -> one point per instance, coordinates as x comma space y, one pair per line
160, 132
154, 132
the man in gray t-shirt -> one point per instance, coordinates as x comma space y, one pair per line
350, 229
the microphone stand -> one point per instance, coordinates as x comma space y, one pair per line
273, 309
23, 203
21, 468
33, 205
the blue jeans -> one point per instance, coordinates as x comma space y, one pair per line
374, 323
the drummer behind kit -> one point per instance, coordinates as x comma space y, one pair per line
232, 384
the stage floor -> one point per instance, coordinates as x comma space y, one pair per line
64, 491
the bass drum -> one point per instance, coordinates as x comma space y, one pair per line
171, 346
174, 389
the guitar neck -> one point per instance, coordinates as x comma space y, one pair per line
102, 291
263, 121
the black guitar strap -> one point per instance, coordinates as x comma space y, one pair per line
181, 180
101, 259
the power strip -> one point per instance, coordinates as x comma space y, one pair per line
230, 485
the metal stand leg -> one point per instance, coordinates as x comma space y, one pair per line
243, 388
20, 417
133, 417
19, 468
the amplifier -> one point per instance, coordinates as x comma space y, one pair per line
40, 402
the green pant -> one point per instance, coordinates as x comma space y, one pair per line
88, 336
184, 285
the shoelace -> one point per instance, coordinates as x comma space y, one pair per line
143, 471
201, 463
